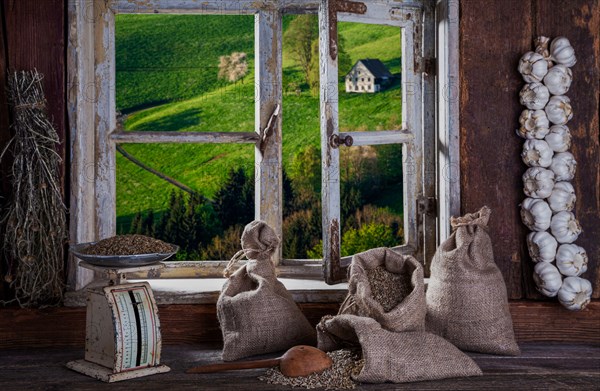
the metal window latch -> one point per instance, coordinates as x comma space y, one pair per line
335, 141
427, 206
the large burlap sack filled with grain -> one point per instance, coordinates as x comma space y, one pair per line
466, 297
394, 357
256, 312
388, 287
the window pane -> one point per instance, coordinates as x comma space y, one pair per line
206, 224
301, 139
185, 72
370, 95
371, 197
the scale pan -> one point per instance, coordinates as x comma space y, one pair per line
119, 260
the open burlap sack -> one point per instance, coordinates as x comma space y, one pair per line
365, 297
394, 357
256, 312
466, 297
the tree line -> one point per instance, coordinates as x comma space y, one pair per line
210, 229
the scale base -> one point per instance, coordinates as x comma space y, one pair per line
107, 375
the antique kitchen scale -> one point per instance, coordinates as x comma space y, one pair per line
123, 339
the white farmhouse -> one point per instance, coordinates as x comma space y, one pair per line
368, 76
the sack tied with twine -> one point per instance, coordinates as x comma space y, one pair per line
466, 297
256, 312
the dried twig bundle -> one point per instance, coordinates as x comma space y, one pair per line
34, 221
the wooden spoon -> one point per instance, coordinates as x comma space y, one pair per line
298, 361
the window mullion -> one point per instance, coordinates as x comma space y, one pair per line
268, 191
412, 153
330, 189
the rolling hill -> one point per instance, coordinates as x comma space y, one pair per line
167, 80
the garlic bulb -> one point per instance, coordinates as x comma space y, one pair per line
571, 260
533, 67
558, 138
536, 214
537, 153
559, 110
575, 293
562, 197
558, 79
542, 246
538, 182
562, 52
534, 124
564, 166
534, 96
542, 47
565, 227
547, 278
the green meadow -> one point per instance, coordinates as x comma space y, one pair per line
167, 68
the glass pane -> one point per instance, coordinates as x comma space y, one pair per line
198, 196
185, 72
301, 138
371, 197
369, 65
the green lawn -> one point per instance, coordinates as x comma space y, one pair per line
187, 97
162, 58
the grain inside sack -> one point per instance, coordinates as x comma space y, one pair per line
388, 287
384, 316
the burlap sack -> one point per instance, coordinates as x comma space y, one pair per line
466, 297
394, 357
409, 313
256, 312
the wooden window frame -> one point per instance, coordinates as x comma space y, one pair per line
417, 135
92, 116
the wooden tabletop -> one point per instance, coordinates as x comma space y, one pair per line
541, 367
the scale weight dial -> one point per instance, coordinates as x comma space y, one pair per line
123, 337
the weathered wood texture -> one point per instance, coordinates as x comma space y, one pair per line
268, 205
192, 324
494, 34
81, 113
32, 36
35, 38
540, 367
580, 22
4, 131
147, 137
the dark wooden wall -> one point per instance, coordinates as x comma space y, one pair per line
532, 321
494, 35
32, 35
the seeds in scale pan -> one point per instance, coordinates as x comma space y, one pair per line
128, 245
346, 363
389, 288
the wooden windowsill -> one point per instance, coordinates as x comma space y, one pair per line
206, 291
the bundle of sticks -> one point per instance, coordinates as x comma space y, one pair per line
33, 222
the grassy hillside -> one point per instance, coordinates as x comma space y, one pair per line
161, 58
212, 105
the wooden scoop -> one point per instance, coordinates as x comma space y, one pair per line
298, 361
